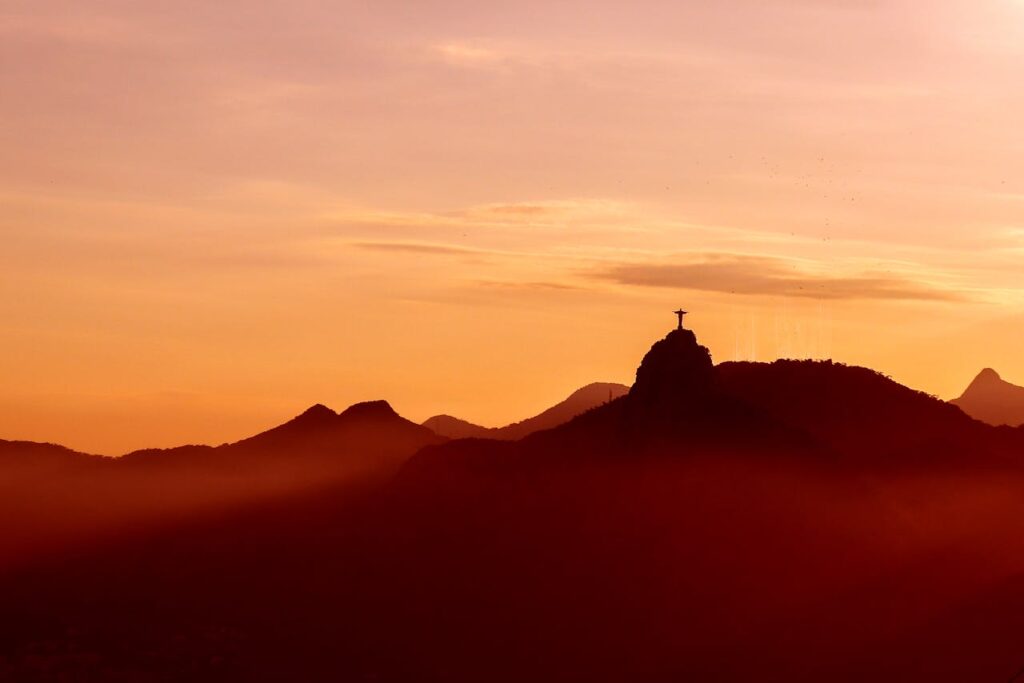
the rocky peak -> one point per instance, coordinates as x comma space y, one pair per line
987, 376
676, 370
370, 410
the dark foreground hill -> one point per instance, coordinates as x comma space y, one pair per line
745, 522
579, 402
993, 400
317, 445
819, 410
51, 497
865, 415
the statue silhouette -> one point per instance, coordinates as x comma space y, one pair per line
680, 313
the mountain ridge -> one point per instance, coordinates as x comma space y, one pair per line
580, 401
682, 402
720, 522
993, 400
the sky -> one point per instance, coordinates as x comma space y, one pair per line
213, 215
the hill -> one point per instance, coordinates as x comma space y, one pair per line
792, 521
993, 400
26, 458
863, 414
316, 445
580, 401
54, 497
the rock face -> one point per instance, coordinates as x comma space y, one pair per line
676, 372
992, 399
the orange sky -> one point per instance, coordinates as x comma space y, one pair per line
216, 214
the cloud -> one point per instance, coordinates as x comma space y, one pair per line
521, 209
461, 54
756, 275
530, 228
85, 28
415, 248
531, 286
574, 209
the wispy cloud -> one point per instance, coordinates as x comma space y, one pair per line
85, 28
756, 275
414, 248
531, 286
588, 241
465, 54
546, 219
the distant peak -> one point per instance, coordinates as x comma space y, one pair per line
370, 409
992, 399
988, 375
443, 418
319, 410
596, 393
676, 369
601, 386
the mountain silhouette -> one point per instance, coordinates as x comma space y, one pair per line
993, 400
675, 408
27, 458
791, 521
457, 428
53, 496
372, 432
681, 402
863, 414
676, 372
580, 401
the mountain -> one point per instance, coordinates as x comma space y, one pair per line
681, 403
580, 401
369, 434
27, 458
52, 497
717, 523
993, 400
456, 428
861, 413
792, 521
676, 409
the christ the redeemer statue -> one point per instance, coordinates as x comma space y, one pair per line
680, 313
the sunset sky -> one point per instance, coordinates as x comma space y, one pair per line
215, 214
